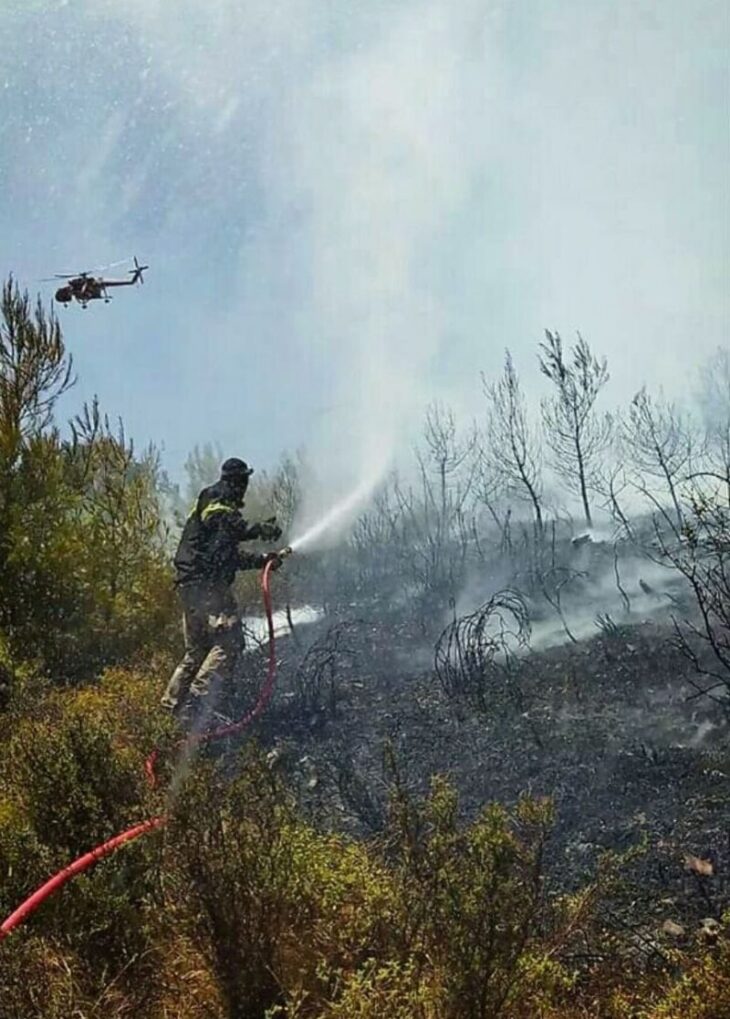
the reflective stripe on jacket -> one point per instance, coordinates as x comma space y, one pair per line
208, 549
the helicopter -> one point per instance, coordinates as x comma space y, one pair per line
84, 287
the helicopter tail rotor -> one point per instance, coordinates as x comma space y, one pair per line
137, 271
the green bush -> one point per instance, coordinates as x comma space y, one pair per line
84, 576
434, 919
241, 909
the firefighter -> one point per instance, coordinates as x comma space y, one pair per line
206, 563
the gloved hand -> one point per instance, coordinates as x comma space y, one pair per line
274, 559
269, 530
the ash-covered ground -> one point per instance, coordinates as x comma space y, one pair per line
611, 728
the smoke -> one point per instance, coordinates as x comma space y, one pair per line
329, 525
397, 166
350, 209
591, 601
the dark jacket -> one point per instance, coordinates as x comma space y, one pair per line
208, 551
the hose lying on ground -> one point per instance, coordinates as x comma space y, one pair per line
47, 889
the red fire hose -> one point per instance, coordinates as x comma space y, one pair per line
106, 848
83, 863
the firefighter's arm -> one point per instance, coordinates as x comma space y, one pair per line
267, 530
250, 560
226, 521
256, 561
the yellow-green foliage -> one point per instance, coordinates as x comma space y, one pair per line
238, 897
241, 908
72, 778
703, 990
84, 580
434, 919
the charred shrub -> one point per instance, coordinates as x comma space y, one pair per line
473, 656
316, 682
360, 796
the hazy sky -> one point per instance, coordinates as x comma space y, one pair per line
350, 208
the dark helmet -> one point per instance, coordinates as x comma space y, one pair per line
236, 470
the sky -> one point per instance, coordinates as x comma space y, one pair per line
351, 209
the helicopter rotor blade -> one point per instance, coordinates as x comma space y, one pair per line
89, 272
112, 265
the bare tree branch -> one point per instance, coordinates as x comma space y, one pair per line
576, 434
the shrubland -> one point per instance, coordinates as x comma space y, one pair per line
242, 905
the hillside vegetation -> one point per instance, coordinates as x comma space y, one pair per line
403, 835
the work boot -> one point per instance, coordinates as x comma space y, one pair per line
168, 704
184, 711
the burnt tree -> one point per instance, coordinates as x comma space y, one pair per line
512, 449
660, 444
576, 434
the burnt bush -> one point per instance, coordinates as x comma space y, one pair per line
317, 679
473, 655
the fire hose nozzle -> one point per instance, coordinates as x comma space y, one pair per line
284, 552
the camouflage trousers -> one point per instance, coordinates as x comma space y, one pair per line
213, 640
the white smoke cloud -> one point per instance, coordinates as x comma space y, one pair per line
406, 187
381, 163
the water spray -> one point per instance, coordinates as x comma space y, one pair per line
335, 516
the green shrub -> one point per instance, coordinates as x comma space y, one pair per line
703, 989
84, 576
436, 919
238, 908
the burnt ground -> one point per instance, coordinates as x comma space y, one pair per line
608, 728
